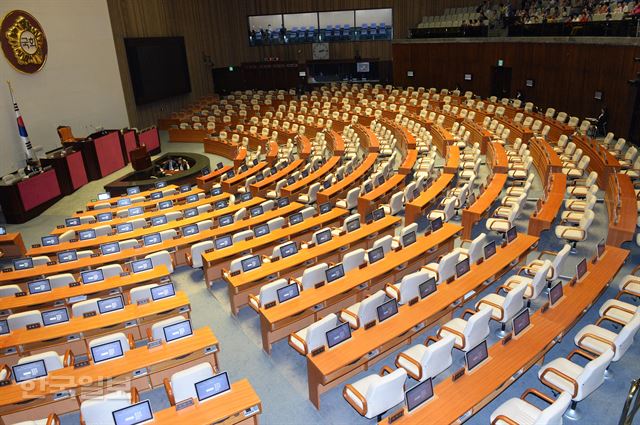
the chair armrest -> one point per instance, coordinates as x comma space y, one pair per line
564, 376
503, 418
610, 319
494, 305
362, 410
255, 300
414, 362
549, 253
532, 270
431, 270
189, 258
456, 333
541, 396
581, 353
7, 371
297, 337
355, 317
597, 338
432, 338
132, 343
468, 311
135, 395
392, 291
385, 370
69, 358
615, 307
53, 419
169, 391
504, 288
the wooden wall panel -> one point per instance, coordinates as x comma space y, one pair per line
566, 75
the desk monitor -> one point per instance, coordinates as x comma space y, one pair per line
261, 230
225, 220
159, 220
387, 309
212, 387
91, 276
190, 229
419, 394
600, 248
282, 202
216, 191
340, 333
353, 224
436, 224
256, 211
408, 239
223, 242
124, 202
219, 165
163, 291
156, 195
110, 248
290, 180
323, 236
326, 184
255, 161
245, 197
489, 250
151, 239
124, 227
287, 292
4, 327
231, 174
26, 371
105, 216
375, 254
177, 331
251, 263
581, 269
135, 414
476, 355
105, 196
427, 288
39, 286
325, 208
163, 205
107, 351
23, 263
288, 250
295, 218
55, 317
462, 268
223, 203
133, 190
205, 171
512, 234
141, 265
521, 321
377, 214
334, 273
259, 177
111, 304
192, 198
84, 235
160, 185
368, 187
185, 188
380, 179
67, 256
555, 293
190, 212
133, 211
50, 240
71, 222
305, 173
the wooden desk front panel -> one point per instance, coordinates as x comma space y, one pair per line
475, 212
379, 195
414, 208
354, 179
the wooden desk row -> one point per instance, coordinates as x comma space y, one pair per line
481, 207
357, 176
415, 208
262, 187
314, 177
366, 347
312, 304
243, 284
506, 363
145, 193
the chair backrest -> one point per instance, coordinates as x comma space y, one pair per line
313, 275
385, 393
61, 280
413, 227
118, 336
316, 332
538, 283
586, 220
592, 375
157, 329
111, 270
80, 308
367, 311
553, 413
52, 360
22, 319
409, 285
447, 266
625, 337
168, 234
475, 250
437, 357
353, 260
269, 292
183, 382
97, 411
276, 223
385, 242
513, 302
396, 205
349, 219
477, 328
161, 257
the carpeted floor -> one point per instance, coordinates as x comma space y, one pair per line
280, 379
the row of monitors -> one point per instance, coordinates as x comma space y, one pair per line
108, 305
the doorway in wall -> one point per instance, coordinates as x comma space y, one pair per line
501, 81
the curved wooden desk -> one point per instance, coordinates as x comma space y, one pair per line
480, 208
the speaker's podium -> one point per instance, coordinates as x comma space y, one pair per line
27, 198
140, 158
101, 152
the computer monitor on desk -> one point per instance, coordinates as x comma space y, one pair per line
295, 218
91, 276
521, 322
261, 230
177, 331
105, 216
476, 355
512, 234
108, 351
334, 273
27, 371
50, 240
288, 250
136, 414
387, 310
84, 235
141, 265
223, 242
339, 334
419, 394
189, 230
462, 268
67, 256
39, 286
124, 228
133, 190
55, 317
323, 236
581, 269
133, 211
105, 196
225, 220
151, 239
375, 254
555, 293
251, 263
156, 195
212, 387
489, 250
4, 327
163, 291
23, 263
288, 292
436, 224
72, 222
427, 288
353, 224
190, 212
408, 239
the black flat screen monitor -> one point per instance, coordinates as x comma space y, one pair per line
325, 208
219, 165
334, 273
408, 238
462, 268
23, 263
256, 211
600, 248
282, 202
55, 317
4, 327
216, 191
376, 254
156, 195
512, 234
67, 256
245, 197
427, 288
189, 230
124, 202
151, 239
26, 371
353, 225
581, 269
295, 218
225, 220
555, 293
261, 230
124, 227
223, 242
39, 286
160, 185
109, 305
419, 394
214, 386
133, 190
323, 236
205, 171
141, 265
185, 188
339, 334
159, 220
50, 240
105, 216
287, 292
251, 263
378, 214
91, 276
133, 211
177, 330
191, 198
288, 250
436, 224
162, 291
135, 414
71, 222
84, 235
223, 203
107, 351
163, 205
476, 355
489, 250
521, 321
387, 309
190, 212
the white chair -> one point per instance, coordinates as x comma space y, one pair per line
364, 311
472, 249
156, 331
534, 285
111, 270
424, 361
562, 374
519, 411
52, 360
351, 201
596, 339
445, 269
395, 204
161, 257
375, 394
141, 293
97, 411
182, 385
408, 288
313, 336
559, 259
268, 294
194, 258
21, 320
310, 196
447, 212
575, 234
504, 308
467, 333
61, 280
126, 341
398, 241
313, 276
353, 259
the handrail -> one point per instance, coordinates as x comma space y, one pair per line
632, 404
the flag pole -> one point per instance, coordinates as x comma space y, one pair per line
22, 130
